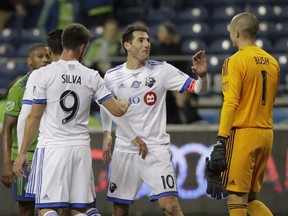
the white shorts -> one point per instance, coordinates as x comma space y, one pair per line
129, 171
62, 178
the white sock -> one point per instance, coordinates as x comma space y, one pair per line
51, 213
93, 212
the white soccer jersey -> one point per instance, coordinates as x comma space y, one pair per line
67, 88
145, 88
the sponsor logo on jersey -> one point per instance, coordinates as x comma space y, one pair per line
135, 84
112, 187
150, 81
150, 98
9, 105
71, 67
134, 100
121, 86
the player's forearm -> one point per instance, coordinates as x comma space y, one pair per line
226, 121
30, 131
25, 110
202, 85
7, 142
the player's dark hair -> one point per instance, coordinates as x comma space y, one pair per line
127, 35
54, 41
74, 35
35, 47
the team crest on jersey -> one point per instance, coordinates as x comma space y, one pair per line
112, 187
150, 81
150, 98
71, 66
9, 105
225, 86
135, 84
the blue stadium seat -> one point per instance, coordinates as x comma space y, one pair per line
264, 43
221, 46
159, 16
281, 45
23, 49
281, 29
220, 29
96, 32
31, 36
266, 28
7, 50
7, 35
225, 13
262, 11
280, 12
195, 30
197, 13
130, 15
193, 45
8, 70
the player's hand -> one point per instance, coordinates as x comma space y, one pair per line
215, 187
217, 161
20, 161
143, 150
199, 64
106, 147
7, 175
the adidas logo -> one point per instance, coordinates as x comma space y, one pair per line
46, 197
121, 86
232, 182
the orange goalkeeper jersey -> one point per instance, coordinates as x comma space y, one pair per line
250, 81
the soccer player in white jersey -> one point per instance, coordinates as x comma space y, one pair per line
144, 83
55, 50
62, 94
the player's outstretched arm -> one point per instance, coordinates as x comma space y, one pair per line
116, 107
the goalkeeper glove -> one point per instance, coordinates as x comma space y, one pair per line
217, 161
214, 184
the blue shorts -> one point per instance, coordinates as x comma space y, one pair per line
19, 187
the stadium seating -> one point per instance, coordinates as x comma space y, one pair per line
195, 30
23, 49
264, 12
281, 45
31, 36
189, 15
220, 29
225, 13
8, 35
264, 43
193, 45
221, 46
7, 50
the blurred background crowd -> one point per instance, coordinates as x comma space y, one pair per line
178, 28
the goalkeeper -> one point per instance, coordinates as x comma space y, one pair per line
249, 84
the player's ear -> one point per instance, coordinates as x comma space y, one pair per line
126, 45
29, 61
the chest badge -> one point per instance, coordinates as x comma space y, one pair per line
150, 81
135, 84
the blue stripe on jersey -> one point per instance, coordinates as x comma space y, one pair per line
156, 197
39, 177
105, 98
82, 205
153, 62
121, 201
186, 84
29, 102
115, 68
39, 101
30, 195
52, 205
32, 176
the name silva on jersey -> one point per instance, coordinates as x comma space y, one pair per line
71, 79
